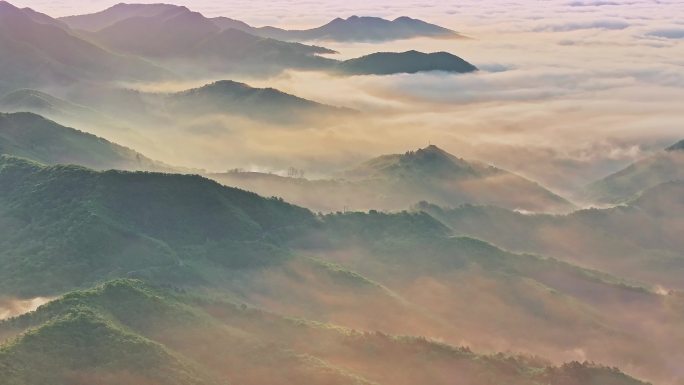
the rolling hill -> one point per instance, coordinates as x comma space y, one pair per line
31, 136
266, 104
395, 182
74, 212
129, 330
639, 240
626, 184
66, 227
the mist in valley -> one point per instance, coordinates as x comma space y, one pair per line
189, 199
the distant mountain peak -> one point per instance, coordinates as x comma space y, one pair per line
6, 5
222, 86
7, 9
434, 175
99, 20
435, 149
430, 160
434, 157
679, 146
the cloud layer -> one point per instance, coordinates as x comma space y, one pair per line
567, 93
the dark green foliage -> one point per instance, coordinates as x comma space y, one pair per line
129, 331
66, 226
387, 63
74, 340
377, 226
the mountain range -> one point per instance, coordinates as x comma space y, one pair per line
183, 34
39, 52
128, 43
129, 330
392, 182
354, 28
67, 227
178, 33
639, 239
395, 182
410, 268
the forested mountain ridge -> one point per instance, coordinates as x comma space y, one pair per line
31, 136
72, 213
397, 181
129, 330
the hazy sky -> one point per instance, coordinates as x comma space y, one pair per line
313, 12
575, 88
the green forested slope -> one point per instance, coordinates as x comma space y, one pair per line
129, 331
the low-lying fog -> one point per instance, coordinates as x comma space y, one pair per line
565, 95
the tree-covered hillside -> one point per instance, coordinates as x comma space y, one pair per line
640, 240
129, 331
397, 181
65, 226
31, 136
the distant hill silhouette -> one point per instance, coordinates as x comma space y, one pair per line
663, 166
387, 63
354, 28
103, 19
229, 97
188, 41
37, 50
178, 33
